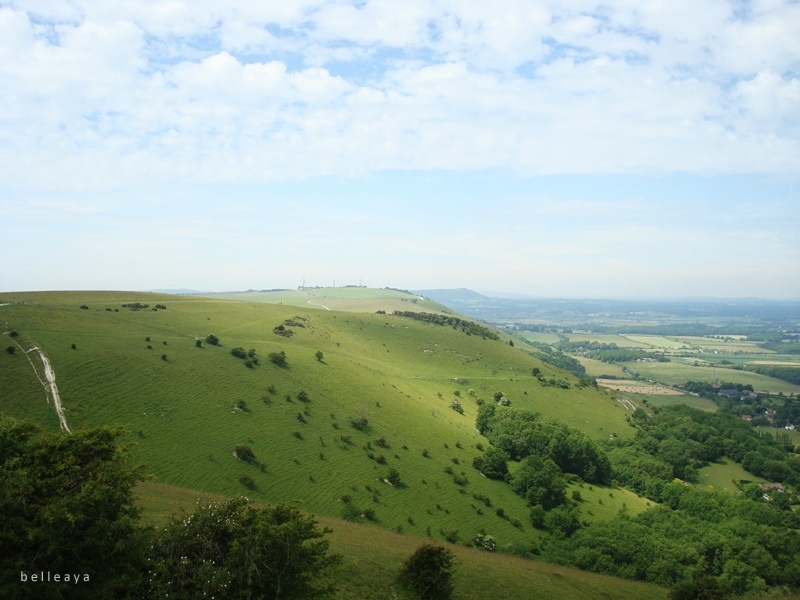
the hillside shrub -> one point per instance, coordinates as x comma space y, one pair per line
393, 477
11, 349
361, 423
212, 340
239, 353
428, 572
245, 453
484, 542
278, 358
234, 550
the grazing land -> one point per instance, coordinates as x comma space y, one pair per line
188, 404
372, 556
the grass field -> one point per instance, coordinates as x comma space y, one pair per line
372, 558
657, 342
600, 503
678, 371
631, 386
722, 476
685, 399
184, 411
622, 341
598, 368
540, 337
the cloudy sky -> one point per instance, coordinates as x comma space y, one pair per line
572, 148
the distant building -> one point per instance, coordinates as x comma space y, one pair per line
772, 487
747, 417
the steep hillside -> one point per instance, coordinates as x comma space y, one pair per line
358, 422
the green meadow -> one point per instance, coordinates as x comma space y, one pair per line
723, 476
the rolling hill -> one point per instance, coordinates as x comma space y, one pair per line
348, 413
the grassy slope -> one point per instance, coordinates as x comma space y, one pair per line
401, 374
389, 369
372, 558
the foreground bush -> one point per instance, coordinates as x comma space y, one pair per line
234, 550
428, 572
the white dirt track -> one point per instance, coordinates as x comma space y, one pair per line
47, 378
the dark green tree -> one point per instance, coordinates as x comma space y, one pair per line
540, 482
493, 463
234, 550
67, 506
428, 572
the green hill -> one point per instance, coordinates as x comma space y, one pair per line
362, 400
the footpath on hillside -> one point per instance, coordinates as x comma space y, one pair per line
47, 377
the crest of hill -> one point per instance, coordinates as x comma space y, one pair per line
448, 296
346, 298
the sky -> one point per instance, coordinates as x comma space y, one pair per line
632, 148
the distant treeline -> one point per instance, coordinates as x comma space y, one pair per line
558, 359
610, 353
468, 327
790, 374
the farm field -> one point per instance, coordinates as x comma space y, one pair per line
678, 372
656, 341
685, 399
541, 337
623, 341
632, 386
722, 345
598, 368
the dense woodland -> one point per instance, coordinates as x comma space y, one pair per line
698, 541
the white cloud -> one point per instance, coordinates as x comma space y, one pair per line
122, 91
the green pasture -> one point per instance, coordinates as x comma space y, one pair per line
371, 559
723, 475
184, 413
600, 503
540, 337
686, 399
656, 341
598, 368
722, 345
679, 371
622, 341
